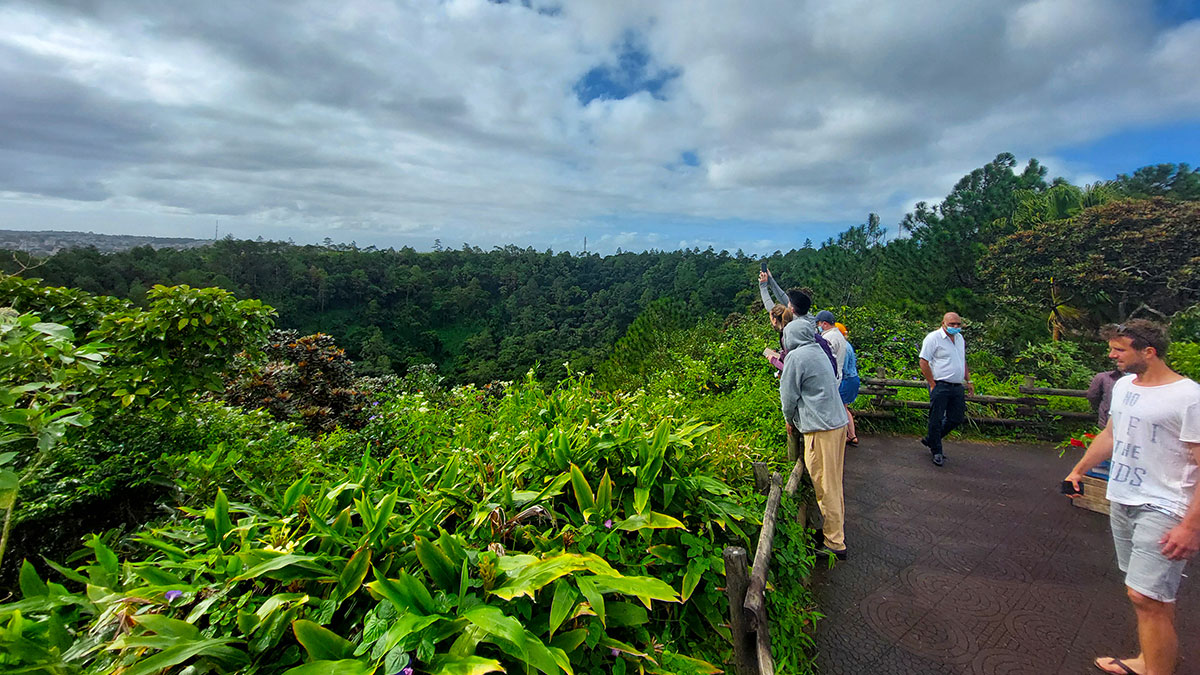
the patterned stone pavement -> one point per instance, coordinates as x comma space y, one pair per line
979, 567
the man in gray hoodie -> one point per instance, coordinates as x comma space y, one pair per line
808, 392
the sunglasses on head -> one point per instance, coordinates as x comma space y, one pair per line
1127, 331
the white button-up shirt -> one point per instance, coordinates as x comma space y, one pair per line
947, 358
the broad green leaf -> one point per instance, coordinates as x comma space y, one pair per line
622, 647
31, 584
395, 661
641, 499
342, 667
583, 492
54, 330
495, 622
168, 627
185, 652
221, 522
453, 550
65, 571
405, 593
155, 575
644, 588
649, 521
321, 643
295, 491
439, 566
570, 640
300, 566
626, 614
691, 578
697, 666
465, 665
278, 600
604, 495
532, 577
406, 625
382, 514
593, 595
352, 575
564, 601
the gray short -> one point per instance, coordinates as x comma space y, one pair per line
1137, 531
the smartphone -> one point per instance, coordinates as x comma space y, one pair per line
1068, 488
764, 266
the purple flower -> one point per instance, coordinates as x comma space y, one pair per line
372, 417
406, 671
608, 524
616, 652
173, 595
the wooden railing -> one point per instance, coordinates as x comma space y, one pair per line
746, 587
1030, 409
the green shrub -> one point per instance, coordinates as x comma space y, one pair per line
1184, 358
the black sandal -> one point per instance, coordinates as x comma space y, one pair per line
852, 440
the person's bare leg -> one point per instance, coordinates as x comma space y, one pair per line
1156, 633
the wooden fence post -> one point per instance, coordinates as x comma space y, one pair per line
737, 579
761, 477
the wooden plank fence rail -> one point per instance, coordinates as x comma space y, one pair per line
1030, 408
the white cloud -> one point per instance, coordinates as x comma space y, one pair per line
409, 121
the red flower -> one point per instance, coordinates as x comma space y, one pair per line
1077, 443
1089, 435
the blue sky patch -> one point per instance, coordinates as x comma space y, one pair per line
631, 74
689, 158
1177, 11
1126, 151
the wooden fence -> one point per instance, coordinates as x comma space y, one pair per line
746, 587
1031, 409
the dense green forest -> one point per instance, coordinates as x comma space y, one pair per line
988, 251
250, 497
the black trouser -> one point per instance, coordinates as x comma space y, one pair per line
947, 407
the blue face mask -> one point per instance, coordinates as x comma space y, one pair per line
953, 330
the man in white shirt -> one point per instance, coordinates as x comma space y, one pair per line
1153, 439
944, 365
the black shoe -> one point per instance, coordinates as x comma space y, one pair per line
925, 442
939, 459
840, 555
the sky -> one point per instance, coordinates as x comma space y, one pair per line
636, 125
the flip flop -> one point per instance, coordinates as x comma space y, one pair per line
1114, 661
852, 440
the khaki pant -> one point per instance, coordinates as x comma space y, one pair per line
824, 455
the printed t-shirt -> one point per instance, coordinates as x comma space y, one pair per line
1151, 465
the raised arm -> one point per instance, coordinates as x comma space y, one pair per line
767, 286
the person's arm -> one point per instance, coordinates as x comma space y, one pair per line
763, 292
927, 372
1100, 449
1183, 541
967, 378
780, 296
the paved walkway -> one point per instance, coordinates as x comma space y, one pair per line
979, 567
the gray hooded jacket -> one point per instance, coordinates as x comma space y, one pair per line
808, 390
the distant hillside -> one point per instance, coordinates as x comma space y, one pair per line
46, 243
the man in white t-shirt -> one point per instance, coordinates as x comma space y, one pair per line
944, 366
1153, 439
